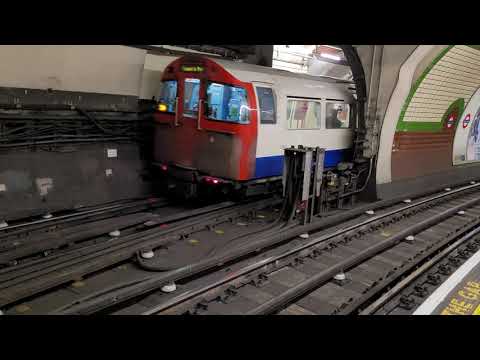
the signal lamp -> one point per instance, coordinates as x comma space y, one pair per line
211, 180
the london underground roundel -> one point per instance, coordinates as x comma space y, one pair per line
466, 143
466, 121
451, 121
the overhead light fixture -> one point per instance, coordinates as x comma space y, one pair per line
330, 56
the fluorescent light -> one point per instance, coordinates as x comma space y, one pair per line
330, 56
332, 47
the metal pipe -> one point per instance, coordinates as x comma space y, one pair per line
64, 141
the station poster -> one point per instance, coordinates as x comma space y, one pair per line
466, 145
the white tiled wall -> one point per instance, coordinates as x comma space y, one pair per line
456, 75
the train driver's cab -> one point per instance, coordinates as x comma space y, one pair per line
204, 93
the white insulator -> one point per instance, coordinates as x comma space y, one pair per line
340, 277
407, 201
410, 238
147, 254
369, 212
47, 216
115, 233
1, 312
461, 212
150, 223
3, 224
169, 288
448, 189
241, 224
304, 236
473, 182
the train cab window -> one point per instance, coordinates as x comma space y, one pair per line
227, 103
303, 114
337, 115
191, 97
168, 95
266, 102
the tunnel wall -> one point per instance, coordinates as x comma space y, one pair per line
152, 74
425, 112
40, 178
107, 69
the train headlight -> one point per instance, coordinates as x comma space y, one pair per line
162, 107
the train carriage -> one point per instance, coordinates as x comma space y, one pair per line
226, 123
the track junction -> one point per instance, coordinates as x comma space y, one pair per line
144, 256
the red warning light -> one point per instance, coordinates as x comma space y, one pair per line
466, 121
211, 180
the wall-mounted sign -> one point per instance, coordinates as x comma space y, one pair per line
466, 121
112, 153
466, 144
451, 121
192, 69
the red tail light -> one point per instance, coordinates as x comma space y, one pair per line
163, 167
212, 180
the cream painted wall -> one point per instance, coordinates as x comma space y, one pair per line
109, 69
405, 81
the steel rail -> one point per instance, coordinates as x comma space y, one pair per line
209, 263
315, 281
77, 255
107, 253
84, 213
417, 273
249, 268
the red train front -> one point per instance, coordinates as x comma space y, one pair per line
205, 129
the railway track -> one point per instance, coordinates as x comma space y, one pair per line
339, 265
24, 227
42, 264
336, 273
407, 295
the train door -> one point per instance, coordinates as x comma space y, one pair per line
269, 157
226, 129
187, 117
208, 138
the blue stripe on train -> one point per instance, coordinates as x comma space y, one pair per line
273, 165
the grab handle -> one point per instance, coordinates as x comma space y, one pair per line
199, 117
176, 112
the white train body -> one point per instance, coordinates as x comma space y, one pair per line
285, 109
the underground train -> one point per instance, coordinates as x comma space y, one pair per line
224, 124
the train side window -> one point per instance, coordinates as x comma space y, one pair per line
227, 103
337, 115
191, 97
303, 114
168, 95
266, 102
